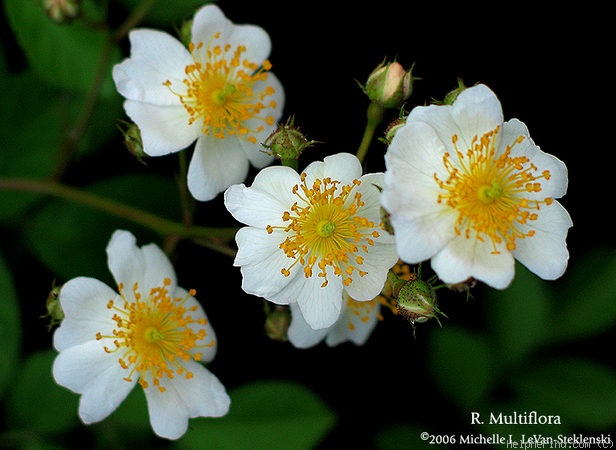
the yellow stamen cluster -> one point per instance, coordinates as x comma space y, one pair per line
324, 230
489, 192
218, 89
155, 334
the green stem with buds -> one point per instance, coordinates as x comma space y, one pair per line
374, 114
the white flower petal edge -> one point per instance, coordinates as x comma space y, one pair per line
201, 396
216, 164
88, 370
355, 324
300, 334
84, 303
446, 167
156, 57
130, 264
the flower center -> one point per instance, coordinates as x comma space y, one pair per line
489, 192
219, 89
154, 335
324, 230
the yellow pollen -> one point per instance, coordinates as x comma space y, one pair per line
223, 90
325, 231
154, 333
489, 192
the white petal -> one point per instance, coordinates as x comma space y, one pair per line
370, 189
266, 200
261, 261
422, 226
377, 262
356, 323
414, 156
556, 186
164, 129
201, 396
129, 264
210, 20
300, 334
255, 152
343, 167
88, 370
545, 253
156, 57
84, 303
255, 207
278, 181
158, 268
320, 306
476, 111
216, 164
463, 258
208, 345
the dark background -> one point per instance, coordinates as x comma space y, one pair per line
548, 68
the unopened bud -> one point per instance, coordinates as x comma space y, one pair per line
389, 85
54, 309
277, 323
132, 140
62, 11
392, 129
385, 222
416, 302
453, 94
287, 142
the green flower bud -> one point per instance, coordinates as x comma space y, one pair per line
416, 301
62, 11
453, 94
385, 222
54, 309
132, 140
287, 142
392, 128
277, 322
389, 85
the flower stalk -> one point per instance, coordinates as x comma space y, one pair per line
161, 225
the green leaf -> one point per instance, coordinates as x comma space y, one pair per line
71, 239
518, 316
36, 402
587, 304
66, 56
581, 391
264, 414
462, 364
31, 126
33, 120
10, 327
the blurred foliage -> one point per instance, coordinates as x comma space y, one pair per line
59, 107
